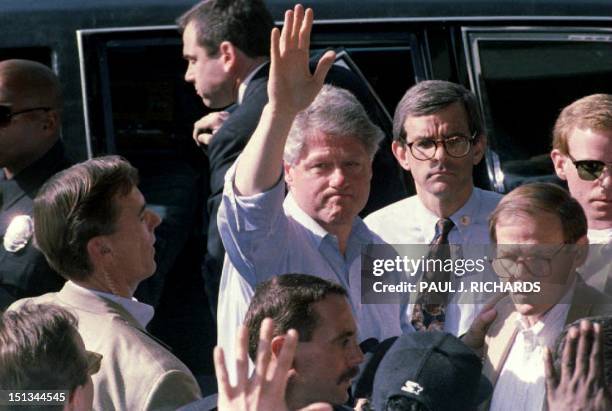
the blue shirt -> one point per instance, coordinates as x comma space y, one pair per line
266, 235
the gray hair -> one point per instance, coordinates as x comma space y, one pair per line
334, 112
431, 96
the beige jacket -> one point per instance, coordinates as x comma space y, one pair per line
137, 372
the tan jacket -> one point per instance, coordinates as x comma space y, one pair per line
137, 372
500, 336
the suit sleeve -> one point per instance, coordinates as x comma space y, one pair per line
172, 390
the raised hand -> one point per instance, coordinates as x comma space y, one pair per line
265, 390
581, 384
291, 86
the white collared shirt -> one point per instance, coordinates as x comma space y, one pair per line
245, 83
521, 383
142, 313
408, 221
600, 236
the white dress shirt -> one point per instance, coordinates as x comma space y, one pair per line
408, 221
521, 384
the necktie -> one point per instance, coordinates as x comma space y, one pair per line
429, 310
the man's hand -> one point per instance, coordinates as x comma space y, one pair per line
265, 390
581, 385
207, 126
291, 87
475, 336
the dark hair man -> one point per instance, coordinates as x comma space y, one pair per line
227, 46
320, 141
439, 136
41, 349
93, 227
30, 153
540, 235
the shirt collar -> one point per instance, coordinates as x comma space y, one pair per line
600, 236
245, 83
462, 218
142, 313
545, 331
360, 234
30, 179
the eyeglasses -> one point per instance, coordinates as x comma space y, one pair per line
93, 362
6, 115
456, 146
589, 170
537, 266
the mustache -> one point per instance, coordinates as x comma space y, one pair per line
348, 375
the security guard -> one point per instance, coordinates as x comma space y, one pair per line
30, 153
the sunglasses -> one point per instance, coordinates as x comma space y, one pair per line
93, 362
589, 170
6, 115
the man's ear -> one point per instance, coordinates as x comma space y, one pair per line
287, 173
276, 345
559, 161
582, 251
51, 122
229, 55
97, 248
401, 152
480, 146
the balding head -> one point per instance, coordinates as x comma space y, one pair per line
31, 95
29, 83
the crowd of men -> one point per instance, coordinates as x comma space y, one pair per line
291, 172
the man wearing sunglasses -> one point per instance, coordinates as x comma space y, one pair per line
30, 153
582, 155
540, 236
439, 136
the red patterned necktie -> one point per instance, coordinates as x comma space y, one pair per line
429, 311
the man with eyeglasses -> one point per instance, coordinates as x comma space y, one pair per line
30, 153
439, 137
540, 233
582, 155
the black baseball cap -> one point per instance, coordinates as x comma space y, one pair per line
434, 368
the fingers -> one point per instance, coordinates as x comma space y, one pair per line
285, 37
569, 354
264, 351
298, 22
323, 66
584, 348
285, 358
550, 374
275, 45
242, 360
596, 359
305, 30
223, 382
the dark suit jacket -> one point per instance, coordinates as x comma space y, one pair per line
230, 139
25, 273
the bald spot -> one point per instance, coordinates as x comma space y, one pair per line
28, 84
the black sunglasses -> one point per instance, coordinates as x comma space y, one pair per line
589, 170
6, 115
